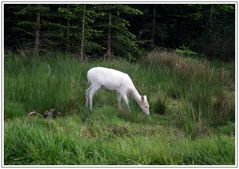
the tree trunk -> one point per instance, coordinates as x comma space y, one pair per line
211, 33
109, 52
68, 31
83, 35
37, 35
153, 32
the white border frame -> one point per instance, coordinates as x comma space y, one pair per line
118, 2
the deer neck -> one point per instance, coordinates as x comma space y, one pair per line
135, 94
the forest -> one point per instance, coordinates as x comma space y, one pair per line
116, 30
181, 56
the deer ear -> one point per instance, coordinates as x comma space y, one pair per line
142, 97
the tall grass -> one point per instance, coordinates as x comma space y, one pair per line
43, 84
191, 121
205, 91
47, 143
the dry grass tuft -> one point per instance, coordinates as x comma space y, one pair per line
186, 68
119, 130
161, 57
222, 108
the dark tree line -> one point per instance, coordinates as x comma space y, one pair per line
90, 30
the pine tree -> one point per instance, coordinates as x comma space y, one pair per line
109, 37
118, 39
110, 30
83, 33
32, 23
66, 27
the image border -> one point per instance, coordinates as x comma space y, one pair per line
119, 2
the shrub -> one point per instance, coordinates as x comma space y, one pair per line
185, 51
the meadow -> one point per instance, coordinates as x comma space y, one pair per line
192, 118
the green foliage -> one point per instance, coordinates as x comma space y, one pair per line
123, 40
72, 26
66, 13
185, 51
31, 9
121, 9
61, 28
206, 29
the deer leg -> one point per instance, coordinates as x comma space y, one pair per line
87, 96
125, 98
119, 100
91, 94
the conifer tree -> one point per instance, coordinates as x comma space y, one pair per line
118, 39
32, 23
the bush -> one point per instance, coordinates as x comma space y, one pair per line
185, 51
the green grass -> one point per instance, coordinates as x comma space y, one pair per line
191, 121
70, 141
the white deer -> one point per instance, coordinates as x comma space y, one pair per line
111, 79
